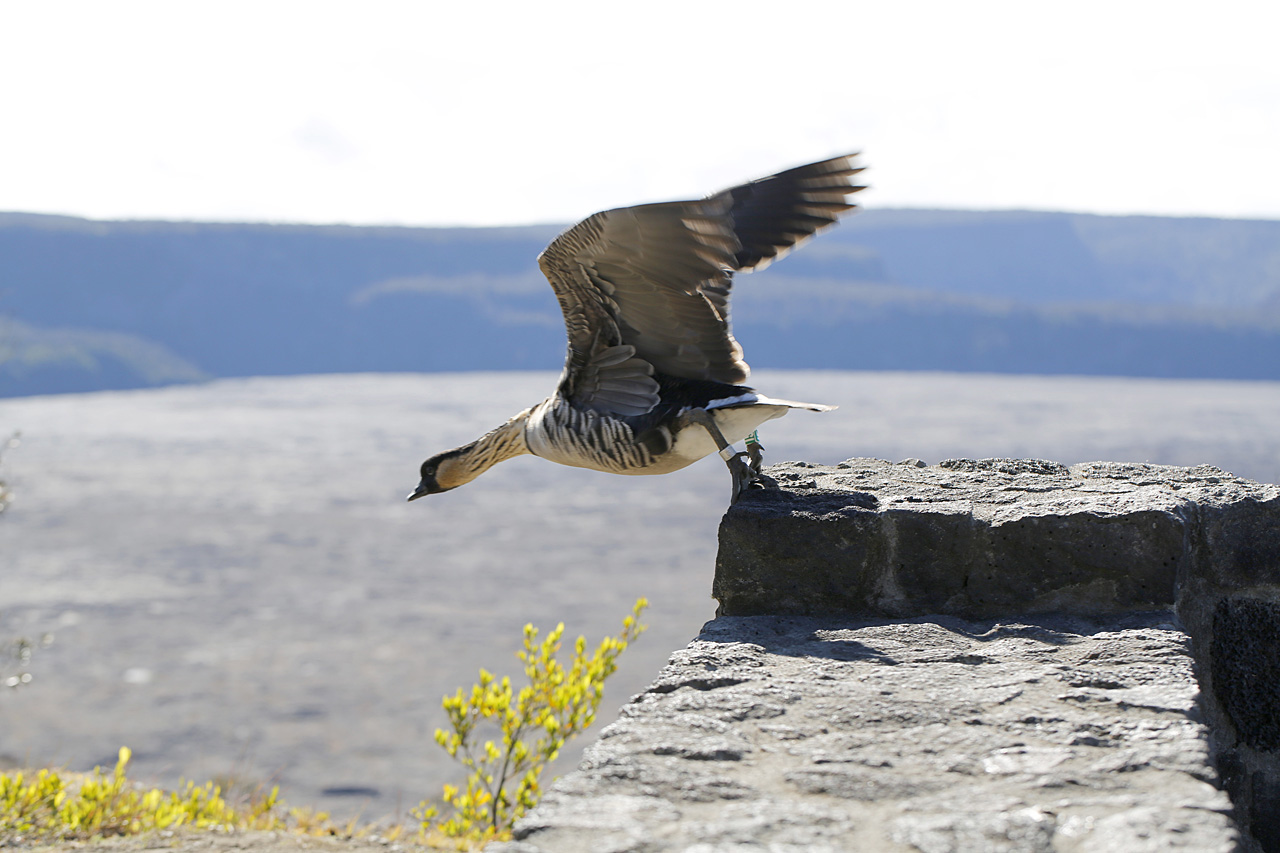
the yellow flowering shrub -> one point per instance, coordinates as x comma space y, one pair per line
504, 772
51, 806
532, 724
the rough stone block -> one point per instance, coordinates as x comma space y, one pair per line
987, 537
790, 733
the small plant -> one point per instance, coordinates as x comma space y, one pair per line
50, 806
503, 775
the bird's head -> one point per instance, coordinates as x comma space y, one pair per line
459, 466
445, 471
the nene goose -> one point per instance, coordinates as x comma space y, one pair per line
653, 378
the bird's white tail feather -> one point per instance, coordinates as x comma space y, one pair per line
813, 407
762, 400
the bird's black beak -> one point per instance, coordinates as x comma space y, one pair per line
428, 486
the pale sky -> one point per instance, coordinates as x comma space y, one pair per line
480, 113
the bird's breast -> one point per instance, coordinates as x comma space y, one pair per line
585, 439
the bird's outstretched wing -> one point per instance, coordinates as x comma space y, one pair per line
646, 288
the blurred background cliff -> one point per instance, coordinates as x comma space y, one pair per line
107, 305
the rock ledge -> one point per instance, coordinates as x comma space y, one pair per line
988, 537
778, 733
981, 655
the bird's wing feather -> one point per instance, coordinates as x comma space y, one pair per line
655, 279
776, 215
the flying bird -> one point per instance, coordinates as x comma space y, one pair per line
653, 379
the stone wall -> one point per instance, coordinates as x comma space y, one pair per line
978, 655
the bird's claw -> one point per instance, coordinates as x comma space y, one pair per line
745, 475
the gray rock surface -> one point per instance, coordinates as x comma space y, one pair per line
991, 537
782, 733
801, 719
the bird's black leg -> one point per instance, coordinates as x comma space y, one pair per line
744, 475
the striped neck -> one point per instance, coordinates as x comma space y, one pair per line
497, 445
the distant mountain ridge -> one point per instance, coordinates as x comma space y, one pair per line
98, 304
